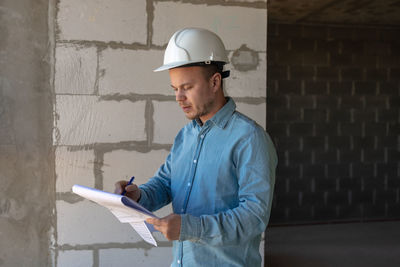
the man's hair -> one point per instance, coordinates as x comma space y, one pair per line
210, 70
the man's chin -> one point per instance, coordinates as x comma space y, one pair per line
190, 117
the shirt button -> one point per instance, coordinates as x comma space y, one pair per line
202, 136
188, 184
194, 161
179, 261
182, 209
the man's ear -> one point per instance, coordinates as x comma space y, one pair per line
215, 81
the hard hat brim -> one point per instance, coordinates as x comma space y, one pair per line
173, 65
169, 66
181, 64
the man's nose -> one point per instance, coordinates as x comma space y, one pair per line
179, 95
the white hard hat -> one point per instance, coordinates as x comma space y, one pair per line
194, 46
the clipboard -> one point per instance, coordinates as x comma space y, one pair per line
125, 209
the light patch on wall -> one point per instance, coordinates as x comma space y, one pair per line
245, 59
10, 208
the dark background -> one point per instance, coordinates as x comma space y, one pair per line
333, 113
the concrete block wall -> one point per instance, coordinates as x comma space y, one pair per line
333, 113
115, 118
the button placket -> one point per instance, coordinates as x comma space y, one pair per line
199, 145
190, 183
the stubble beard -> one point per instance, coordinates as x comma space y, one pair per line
201, 110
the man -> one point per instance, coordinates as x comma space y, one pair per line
220, 172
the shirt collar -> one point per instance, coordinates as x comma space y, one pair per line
222, 117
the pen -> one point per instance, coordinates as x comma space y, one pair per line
129, 183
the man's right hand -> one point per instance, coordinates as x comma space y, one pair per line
132, 190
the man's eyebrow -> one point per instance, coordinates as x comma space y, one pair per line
184, 84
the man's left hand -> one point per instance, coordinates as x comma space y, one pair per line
169, 226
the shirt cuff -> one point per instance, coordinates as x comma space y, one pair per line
190, 228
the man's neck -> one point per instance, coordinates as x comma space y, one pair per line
218, 105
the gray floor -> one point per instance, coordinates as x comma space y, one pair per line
351, 244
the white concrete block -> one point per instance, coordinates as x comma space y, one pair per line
252, 83
131, 71
122, 165
235, 25
75, 71
88, 223
168, 120
73, 167
87, 120
103, 20
157, 256
255, 112
76, 258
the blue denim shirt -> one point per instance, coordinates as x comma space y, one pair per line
220, 177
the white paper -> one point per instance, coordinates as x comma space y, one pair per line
144, 232
125, 209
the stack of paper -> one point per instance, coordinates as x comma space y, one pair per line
124, 208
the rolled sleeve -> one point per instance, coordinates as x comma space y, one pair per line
190, 228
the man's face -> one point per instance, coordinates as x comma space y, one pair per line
194, 94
